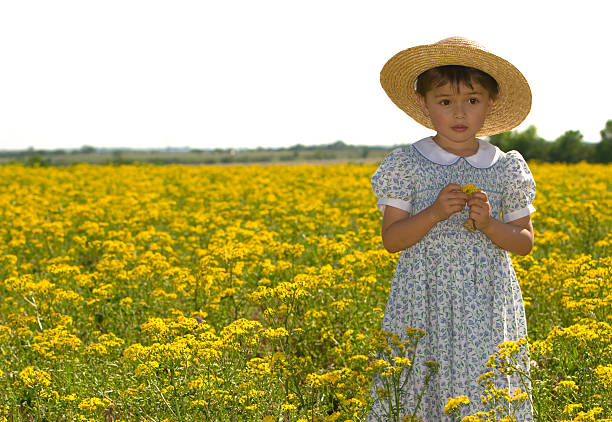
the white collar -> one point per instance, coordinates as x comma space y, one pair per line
486, 156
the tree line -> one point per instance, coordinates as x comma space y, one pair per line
567, 148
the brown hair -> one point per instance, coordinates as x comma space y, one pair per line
455, 75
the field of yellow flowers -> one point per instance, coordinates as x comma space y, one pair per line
256, 293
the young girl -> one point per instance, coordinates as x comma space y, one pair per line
456, 283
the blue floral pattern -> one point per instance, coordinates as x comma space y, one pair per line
456, 285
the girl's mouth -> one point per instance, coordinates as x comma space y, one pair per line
459, 128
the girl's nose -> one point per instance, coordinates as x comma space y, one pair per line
459, 111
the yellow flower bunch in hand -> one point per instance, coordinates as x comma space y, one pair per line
468, 190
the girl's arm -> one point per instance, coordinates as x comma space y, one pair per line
515, 236
400, 230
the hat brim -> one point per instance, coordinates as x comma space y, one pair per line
398, 77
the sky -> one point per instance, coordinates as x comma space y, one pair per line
267, 73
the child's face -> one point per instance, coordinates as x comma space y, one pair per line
457, 114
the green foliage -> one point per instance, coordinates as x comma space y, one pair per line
567, 148
603, 150
87, 149
528, 143
36, 160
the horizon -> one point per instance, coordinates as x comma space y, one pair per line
248, 148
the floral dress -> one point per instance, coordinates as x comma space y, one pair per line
455, 284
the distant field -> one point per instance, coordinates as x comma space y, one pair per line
325, 154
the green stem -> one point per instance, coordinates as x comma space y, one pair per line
427, 378
387, 388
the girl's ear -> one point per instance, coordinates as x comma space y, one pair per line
423, 104
491, 104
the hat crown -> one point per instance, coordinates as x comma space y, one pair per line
460, 41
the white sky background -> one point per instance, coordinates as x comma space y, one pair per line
245, 73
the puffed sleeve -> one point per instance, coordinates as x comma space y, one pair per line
519, 189
392, 182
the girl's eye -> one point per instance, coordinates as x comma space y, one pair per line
445, 102
473, 100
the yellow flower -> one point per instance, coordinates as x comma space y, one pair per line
571, 407
156, 326
31, 377
604, 373
195, 403
566, 386
453, 403
486, 376
93, 403
469, 189
475, 418
273, 333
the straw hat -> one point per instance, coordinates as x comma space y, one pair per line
398, 78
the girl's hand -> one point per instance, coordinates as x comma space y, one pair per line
480, 210
450, 200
